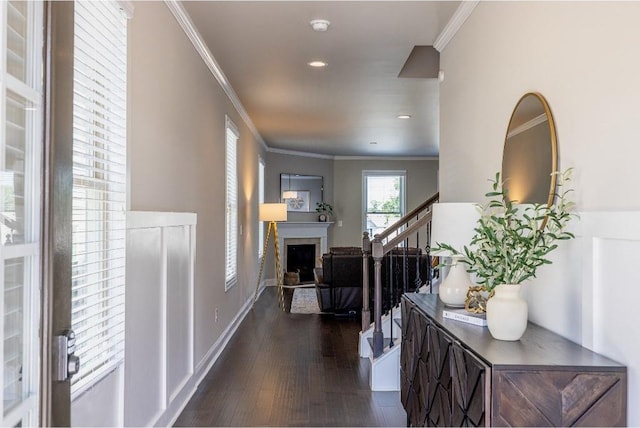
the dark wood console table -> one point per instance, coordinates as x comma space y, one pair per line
456, 374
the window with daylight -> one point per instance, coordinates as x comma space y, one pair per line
260, 201
384, 199
231, 224
21, 116
99, 189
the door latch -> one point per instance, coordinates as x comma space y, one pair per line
66, 363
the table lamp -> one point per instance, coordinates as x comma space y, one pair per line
453, 223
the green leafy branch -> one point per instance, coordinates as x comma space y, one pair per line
512, 241
324, 207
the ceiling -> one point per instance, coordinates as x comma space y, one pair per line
263, 48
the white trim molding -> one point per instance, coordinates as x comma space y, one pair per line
339, 157
205, 365
388, 158
297, 153
455, 23
181, 15
146, 219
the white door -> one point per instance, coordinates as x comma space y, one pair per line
21, 113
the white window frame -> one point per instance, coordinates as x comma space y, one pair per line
383, 173
231, 204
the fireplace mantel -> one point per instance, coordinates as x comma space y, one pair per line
304, 229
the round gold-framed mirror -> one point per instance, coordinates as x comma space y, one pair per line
530, 155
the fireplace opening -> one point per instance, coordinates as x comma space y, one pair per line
301, 257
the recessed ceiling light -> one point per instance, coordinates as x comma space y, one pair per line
320, 25
404, 116
317, 64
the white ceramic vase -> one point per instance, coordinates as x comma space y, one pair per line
453, 290
507, 313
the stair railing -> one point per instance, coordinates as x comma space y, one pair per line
398, 236
366, 253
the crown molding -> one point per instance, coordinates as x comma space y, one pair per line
387, 158
297, 153
349, 158
181, 15
457, 19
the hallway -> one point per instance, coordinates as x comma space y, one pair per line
284, 369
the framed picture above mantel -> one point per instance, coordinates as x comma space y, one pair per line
298, 203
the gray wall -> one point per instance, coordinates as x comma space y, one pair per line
177, 139
506, 49
502, 52
278, 163
421, 184
343, 189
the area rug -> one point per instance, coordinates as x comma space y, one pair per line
305, 301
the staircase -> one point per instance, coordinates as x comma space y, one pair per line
391, 327
385, 369
401, 263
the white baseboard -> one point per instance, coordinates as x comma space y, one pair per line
216, 349
172, 413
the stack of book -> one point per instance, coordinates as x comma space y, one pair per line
465, 316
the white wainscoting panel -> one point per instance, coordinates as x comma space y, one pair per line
179, 318
611, 242
159, 313
102, 405
143, 327
589, 292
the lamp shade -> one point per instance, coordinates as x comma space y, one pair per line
453, 223
272, 212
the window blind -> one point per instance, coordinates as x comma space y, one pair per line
231, 225
99, 189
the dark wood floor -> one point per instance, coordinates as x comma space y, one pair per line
283, 369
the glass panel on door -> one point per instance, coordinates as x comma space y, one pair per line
14, 328
12, 177
17, 39
21, 34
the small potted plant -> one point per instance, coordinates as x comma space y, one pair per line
510, 243
325, 210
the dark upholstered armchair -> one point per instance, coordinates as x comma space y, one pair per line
340, 287
339, 282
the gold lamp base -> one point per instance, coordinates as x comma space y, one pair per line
280, 291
